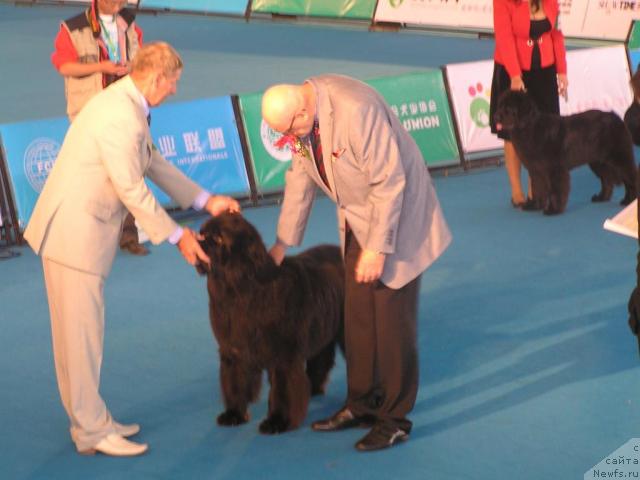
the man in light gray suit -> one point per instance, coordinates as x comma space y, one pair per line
346, 140
75, 226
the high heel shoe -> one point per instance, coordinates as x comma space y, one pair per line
517, 205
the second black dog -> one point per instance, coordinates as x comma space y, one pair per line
284, 319
551, 145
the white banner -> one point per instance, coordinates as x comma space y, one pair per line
606, 19
598, 79
572, 13
610, 19
476, 14
470, 90
130, 2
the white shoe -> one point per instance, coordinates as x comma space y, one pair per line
126, 430
117, 446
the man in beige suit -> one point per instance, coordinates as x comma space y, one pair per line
347, 141
98, 176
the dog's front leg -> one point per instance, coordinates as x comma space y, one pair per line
559, 184
240, 386
288, 398
538, 192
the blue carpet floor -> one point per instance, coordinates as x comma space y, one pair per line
528, 370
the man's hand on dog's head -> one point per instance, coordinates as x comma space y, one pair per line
189, 246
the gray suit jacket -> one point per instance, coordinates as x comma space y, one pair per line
98, 175
378, 180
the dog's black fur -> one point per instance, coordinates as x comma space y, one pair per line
632, 121
278, 318
550, 145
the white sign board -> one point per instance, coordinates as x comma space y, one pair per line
598, 79
476, 14
130, 2
572, 14
470, 90
610, 19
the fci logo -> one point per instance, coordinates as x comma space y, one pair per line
39, 158
395, 3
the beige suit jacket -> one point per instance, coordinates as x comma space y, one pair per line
377, 177
98, 176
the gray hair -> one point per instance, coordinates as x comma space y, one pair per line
157, 57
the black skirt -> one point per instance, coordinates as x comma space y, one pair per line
541, 84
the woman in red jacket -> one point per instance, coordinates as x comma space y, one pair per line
530, 56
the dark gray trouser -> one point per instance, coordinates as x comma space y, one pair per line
381, 345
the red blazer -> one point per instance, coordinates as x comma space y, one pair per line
513, 45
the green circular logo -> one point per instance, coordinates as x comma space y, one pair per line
395, 3
479, 106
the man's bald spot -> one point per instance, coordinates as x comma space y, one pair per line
279, 105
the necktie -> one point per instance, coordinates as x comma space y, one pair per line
149, 119
316, 145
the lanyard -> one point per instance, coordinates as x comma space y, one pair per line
112, 44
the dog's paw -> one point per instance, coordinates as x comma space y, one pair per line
231, 418
531, 205
274, 424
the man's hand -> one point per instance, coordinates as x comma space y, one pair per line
278, 251
190, 247
110, 68
369, 267
216, 204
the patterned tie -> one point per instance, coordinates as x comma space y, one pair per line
316, 145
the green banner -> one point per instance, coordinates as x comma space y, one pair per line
269, 163
634, 36
420, 102
418, 99
356, 9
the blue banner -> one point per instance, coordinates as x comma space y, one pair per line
30, 149
201, 139
231, 7
198, 137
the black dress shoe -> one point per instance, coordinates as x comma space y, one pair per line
381, 436
341, 420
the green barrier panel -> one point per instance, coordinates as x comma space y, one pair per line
418, 99
634, 36
269, 163
420, 102
361, 9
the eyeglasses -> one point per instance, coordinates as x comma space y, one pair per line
289, 131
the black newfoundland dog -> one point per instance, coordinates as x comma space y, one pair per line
284, 319
551, 145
